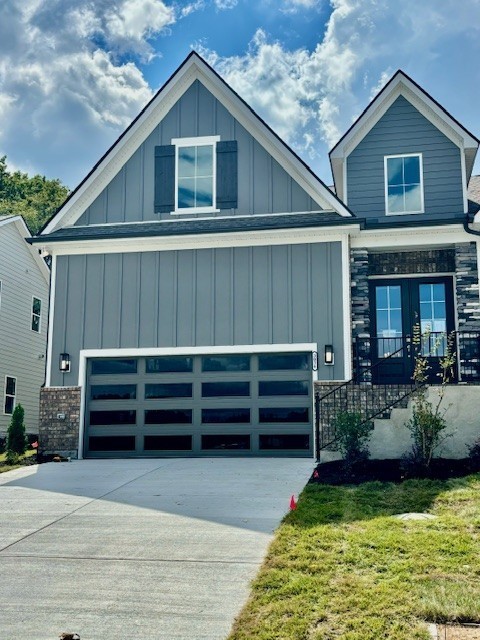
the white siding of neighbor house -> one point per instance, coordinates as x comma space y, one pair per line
22, 351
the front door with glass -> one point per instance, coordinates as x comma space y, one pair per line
398, 305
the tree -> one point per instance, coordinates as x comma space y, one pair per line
34, 198
16, 438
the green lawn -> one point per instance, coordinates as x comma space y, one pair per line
340, 567
5, 467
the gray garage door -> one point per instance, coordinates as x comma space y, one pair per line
242, 404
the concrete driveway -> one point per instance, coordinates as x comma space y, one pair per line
136, 549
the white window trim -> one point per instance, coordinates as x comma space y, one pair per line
36, 314
196, 142
5, 394
385, 175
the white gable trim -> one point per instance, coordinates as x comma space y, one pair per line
23, 231
194, 69
400, 85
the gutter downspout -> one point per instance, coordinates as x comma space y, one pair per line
472, 232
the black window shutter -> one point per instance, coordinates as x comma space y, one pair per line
165, 178
227, 180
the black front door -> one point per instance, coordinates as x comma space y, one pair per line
397, 306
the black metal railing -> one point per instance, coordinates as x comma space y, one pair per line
379, 384
364, 398
400, 353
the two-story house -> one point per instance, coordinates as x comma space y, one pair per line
205, 281
24, 289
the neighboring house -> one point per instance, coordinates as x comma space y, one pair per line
24, 286
205, 281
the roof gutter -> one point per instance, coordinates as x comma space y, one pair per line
472, 232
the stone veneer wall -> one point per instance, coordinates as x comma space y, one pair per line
466, 272
429, 262
58, 434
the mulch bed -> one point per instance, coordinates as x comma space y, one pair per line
394, 470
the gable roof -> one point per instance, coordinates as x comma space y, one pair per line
194, 67
25, 234
401, 85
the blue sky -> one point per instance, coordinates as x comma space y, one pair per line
73, 73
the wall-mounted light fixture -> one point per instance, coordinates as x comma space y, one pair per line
314, 360
64, 362
329, 356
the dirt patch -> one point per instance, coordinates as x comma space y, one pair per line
458, 632
391, 471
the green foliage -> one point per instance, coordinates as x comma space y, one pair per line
11, 457
427, 425
16, 439
474, 453
352, 437
35, 198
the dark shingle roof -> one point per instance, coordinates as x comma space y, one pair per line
193, 227
474, 194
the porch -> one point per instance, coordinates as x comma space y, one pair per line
406, 303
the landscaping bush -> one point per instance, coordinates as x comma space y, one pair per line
16, 438
352, 437
3, 445
11, 457
427, 424
474, 454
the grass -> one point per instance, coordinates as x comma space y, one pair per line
340, 567
8, 467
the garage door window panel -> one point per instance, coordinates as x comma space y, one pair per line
114, 367
113, 392
168, 443
112, 417
283, 388
174, 364
219, 442
284, 414
164, 391
226, 416
168, 416
283, 361
225, 389
284, 441
226, 363
111, 443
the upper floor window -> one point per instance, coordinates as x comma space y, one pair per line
10, 395
195, 174
36, 314
404, 184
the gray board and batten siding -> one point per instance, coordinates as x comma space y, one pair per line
403, 130
22, 350
264, 186
206, 297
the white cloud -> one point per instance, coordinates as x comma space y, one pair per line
293, 6
65, 89
133, 22
310, 97
225, 4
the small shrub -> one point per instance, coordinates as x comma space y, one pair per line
3, 443
427, 425
352, 437
16, 438
474, 455
12, 457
